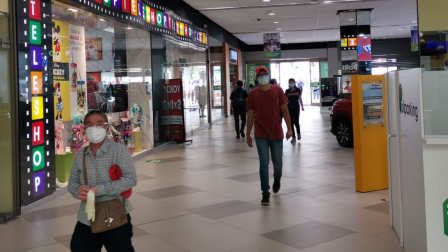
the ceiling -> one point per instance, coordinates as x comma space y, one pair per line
302, 21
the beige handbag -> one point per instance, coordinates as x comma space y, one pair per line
108, 215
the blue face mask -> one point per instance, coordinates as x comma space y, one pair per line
292, 85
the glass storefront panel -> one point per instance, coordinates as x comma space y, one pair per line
100, 64
216, 77
300, 71
179, 60
275, 72
314, 87
6, 169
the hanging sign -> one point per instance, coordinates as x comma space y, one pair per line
36, 105
271, 45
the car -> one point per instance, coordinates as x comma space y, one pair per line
342, 120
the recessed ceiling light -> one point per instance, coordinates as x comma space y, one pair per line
361, 35
278, 29
271, 13
400, 29
265, 1
351, 19
101, 19
72, 10
414, 22
282, 35
327, 2
276, 22
129, 28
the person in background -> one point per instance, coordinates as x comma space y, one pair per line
294, 96
263, 109
301, 85
100, 156
238, 108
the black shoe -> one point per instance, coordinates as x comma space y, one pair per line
276, 186
300, 137
265, 200
238, 136
242, 134
293, 140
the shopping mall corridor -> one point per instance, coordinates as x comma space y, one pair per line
205, 197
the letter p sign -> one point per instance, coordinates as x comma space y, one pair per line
38, 183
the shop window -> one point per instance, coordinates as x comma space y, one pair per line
100, 64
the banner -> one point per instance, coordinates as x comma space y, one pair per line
60, 42
173, 110
77, 69
250, 74
61, 86
271, 45
364, 48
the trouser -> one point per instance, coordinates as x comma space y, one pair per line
295, 115
116, 240
237, 113
263, 147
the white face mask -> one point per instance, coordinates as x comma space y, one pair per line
96, 134
263, 80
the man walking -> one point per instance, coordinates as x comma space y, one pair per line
264, 106
238, 108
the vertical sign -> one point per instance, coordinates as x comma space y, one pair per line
173, 115
36, 112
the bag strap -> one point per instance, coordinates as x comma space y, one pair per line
84, 165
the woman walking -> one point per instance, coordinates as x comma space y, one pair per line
294, 96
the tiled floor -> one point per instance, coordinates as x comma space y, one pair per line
206, 198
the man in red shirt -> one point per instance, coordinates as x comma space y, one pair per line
263, 109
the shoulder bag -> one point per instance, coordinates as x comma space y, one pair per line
108, 215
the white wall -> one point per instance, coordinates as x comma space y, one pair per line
288, 54
333, 61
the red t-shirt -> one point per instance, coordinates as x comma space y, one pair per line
267, 113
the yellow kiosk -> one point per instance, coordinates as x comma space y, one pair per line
370, 132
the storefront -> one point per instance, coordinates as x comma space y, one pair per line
217, 79
7, 116
78, 56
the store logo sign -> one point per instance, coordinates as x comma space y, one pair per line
39, 183
349, 67
126, 6
38, 158
35, 33
153, 16
407, 109
116, 4
165, 20
134, 7
38, 133
170, 22
34, 8
181, 29
38, 107
107, 3
36, 83
159, 18
36, 58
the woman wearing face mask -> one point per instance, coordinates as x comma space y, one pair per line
294, 96
99, 157
272, 47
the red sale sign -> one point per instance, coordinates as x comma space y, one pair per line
364, 48
173, 110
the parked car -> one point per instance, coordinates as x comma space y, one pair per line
342, 120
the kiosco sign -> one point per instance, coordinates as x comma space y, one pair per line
36, 100
349, 67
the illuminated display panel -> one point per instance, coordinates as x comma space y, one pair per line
36, 130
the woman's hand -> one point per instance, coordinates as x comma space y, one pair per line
82, 192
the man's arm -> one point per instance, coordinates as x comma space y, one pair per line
250, 123
287, 117
231, 107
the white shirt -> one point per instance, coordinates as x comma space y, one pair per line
93, 53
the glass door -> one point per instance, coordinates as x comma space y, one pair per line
300, 71
315, 87
275, 72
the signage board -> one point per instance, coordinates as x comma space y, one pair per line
364, 48
36, 102
148, 16
173, 110
350, 67
373, 104
233, 56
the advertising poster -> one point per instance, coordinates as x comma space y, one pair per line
251, 76
77, 69
271, 45
364, 48
172, 110
414, 39
61, 93
350, 67
372, 99
94, 50
346, 84
60, 41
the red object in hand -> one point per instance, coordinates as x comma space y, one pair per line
115, 174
